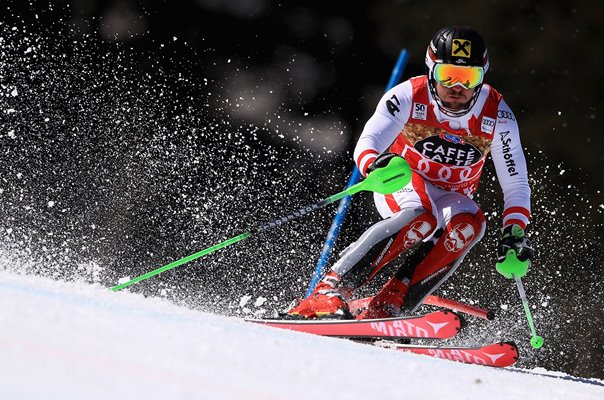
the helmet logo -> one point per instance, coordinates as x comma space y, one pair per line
461, 48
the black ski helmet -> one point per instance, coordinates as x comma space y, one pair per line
457, 45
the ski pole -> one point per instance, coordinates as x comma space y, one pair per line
513, 268
459, 306
536, 341
338, 220
389, 179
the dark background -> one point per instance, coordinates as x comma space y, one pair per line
136, 132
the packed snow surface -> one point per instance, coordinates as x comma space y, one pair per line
76, 341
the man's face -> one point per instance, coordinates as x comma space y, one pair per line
454, 97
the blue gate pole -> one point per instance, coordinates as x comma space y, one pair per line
344, 206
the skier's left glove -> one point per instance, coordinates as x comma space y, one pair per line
514, 238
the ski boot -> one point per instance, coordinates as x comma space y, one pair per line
388, 302
326, 301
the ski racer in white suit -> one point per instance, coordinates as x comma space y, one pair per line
444, 125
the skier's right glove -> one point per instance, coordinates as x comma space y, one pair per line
514, 238
381, 161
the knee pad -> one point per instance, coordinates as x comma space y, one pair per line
462, 231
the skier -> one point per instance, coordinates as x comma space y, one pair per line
443, 124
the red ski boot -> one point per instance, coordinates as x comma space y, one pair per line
388, 302
326, 301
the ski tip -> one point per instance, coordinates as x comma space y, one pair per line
509, 343
458, 317
514, 348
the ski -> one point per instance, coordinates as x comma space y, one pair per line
437, 325
500, 354
358, 305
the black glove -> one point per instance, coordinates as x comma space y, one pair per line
381, 161
514, 237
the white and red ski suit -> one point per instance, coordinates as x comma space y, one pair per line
447, 155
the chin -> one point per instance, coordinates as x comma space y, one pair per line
454, 105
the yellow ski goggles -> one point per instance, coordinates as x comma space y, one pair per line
450, 75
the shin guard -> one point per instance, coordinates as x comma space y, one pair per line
460, 234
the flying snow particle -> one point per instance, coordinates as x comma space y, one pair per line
259, 313
14, 92
260, 301
51, 204
244, 300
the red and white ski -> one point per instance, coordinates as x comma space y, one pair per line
358, 305
501, 354
437, 325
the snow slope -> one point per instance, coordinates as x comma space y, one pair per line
74, 341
